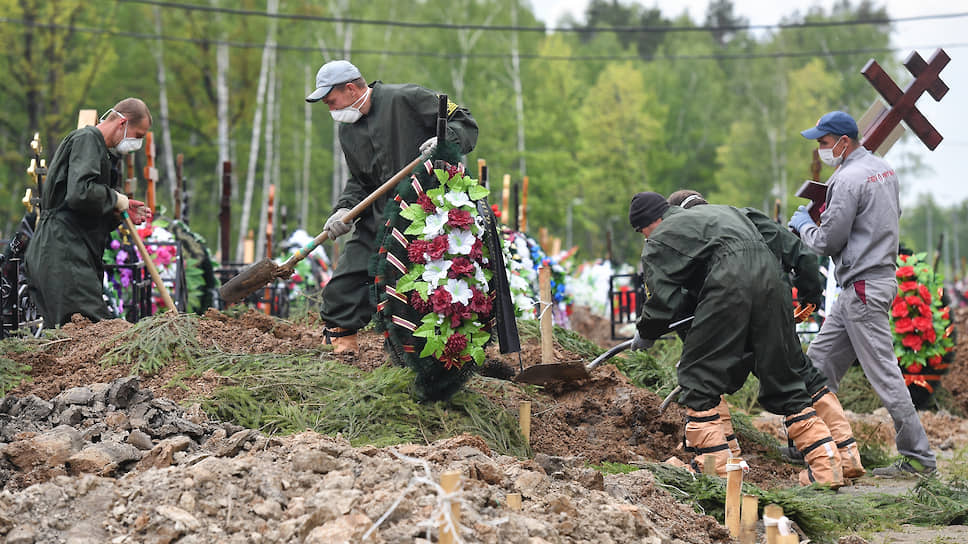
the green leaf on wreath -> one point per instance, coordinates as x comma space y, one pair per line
406, 282
416, 228
442, 176
477, 192
423, 288
478, 355
433, 347
414, 213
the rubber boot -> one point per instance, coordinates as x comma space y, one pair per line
726, 420
704, 434
812, 437
832, 413
343, 340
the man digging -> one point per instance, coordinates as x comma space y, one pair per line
716, 251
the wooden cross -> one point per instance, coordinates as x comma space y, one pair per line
903, 103
151, 173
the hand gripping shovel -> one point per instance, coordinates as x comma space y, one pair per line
541, 374
257, 275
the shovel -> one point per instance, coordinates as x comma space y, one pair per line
258, 275
544, 373
149, 264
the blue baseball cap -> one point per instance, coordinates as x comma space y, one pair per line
331, 74
835, 122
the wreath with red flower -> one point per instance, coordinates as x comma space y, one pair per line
921, 322
431, 276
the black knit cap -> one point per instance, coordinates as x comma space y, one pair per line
646, 208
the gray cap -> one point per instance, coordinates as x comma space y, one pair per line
332, 73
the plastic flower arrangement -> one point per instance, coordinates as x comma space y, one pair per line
523, 257
921, 323
448, 279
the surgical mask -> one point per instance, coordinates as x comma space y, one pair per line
126, 145
827, 156
351, 113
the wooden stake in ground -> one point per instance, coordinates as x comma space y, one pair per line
771, 517
151, 173
709, 464
514, 501
748, 517
734, 491
482, 172
505, 200
547, 325
131, 179
450, 481
524, 420
225, 212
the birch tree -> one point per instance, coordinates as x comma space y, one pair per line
166, 147
267, 168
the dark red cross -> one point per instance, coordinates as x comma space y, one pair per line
926, 78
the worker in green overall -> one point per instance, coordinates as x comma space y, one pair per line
795, 259
80, 206
382, 128
716, 251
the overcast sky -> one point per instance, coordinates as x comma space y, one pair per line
947, 181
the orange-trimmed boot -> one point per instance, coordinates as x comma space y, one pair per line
343, 340
832, 413
812, 437
726, 420
704, 435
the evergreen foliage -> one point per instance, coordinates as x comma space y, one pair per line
154, 342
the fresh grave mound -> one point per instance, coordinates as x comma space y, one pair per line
110, 463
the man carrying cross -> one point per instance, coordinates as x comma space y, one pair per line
859, 229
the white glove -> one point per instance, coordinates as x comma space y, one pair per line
639, 343
335, 225
429, 144
122, 203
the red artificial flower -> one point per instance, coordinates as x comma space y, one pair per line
922, 323
438, 247
296, 278
416, 251
907, 286
458, 312
946, 313
427, 204
914, 368
925, 293
925, 310
913, 300
422, 306
477, 252
934, 360
145, 232
912, 341
900, 308
904, 325
440, 299
460, 267
905, 272
930, 335
903, 258
460, 219
480, 302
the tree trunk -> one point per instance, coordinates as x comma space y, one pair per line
303, 199
166, 148
272, 8
267, 168
518, 90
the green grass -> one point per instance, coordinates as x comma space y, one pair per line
608, 467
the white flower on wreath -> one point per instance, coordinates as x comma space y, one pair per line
459, 291
435, 271
457, 199
479, 274
460, 242
434, 224
517, 282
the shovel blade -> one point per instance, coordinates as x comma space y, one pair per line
551, 372
249, 280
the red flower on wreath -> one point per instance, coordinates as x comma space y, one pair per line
934, 360
914, 300
904, 325
914, 368
437, 247
480, 302
460, 267
427, 204
929, 335
416, 251
946, 313
912, 341
440, 299
452, 349
925, 293
458, 312
460, 219
477, 250
905, 272
900, 308
904, 258
419, 304
908, 286
922, 324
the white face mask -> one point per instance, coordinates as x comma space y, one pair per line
126, 145
351, 113
827, 155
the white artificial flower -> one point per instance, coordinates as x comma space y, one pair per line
460, 242
459, 291
479, 275
434, 224
435, 271
457, 199
517, 282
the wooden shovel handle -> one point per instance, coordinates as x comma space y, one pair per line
169, 303
355, 211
